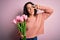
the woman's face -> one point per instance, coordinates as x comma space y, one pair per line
30, 9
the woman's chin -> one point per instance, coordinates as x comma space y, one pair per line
32, 13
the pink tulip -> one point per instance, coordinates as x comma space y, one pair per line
25, 16
14, 21
18, 18
21, 19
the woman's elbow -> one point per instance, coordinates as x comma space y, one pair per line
50, 10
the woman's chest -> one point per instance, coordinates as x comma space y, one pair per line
30, 22
34, 22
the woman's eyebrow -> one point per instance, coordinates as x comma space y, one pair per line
29, 6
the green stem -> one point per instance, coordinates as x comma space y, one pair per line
22, 28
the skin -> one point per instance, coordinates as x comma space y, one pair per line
30, 9
47, 12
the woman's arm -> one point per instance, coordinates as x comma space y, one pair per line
47, 11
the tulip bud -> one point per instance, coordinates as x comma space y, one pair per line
25, 16
14, 21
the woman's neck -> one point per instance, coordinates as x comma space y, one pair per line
31, 16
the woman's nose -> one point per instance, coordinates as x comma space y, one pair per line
31, 9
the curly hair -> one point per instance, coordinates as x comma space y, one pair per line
25, 11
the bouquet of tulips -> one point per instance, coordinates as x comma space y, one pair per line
20, 21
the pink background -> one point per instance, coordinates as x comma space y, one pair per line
9, 9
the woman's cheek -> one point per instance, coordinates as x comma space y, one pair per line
29, 11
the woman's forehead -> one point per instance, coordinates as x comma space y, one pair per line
29, 5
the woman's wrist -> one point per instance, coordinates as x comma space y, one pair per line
43, 8
40, 7
37, 6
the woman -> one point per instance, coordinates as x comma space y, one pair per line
35, 22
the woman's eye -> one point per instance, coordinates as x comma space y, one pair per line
33, 6
28, 8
